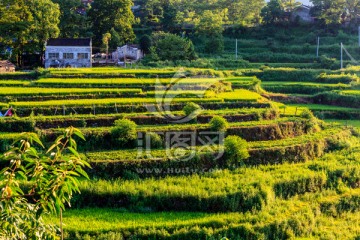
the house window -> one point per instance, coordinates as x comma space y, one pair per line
68, 56
53, 55
83, 55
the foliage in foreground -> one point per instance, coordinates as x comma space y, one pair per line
50, 180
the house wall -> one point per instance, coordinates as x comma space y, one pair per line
8, 69
75, 62
130, 52
304, 15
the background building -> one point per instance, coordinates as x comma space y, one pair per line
68, 53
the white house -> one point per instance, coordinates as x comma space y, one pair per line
130, 52
68, 52
302, 12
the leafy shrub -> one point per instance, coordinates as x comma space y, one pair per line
124, 132
155, 140
338, 78
307, 114
236, 150
312, 124
218, 123
327, 63
191, 109
335, 144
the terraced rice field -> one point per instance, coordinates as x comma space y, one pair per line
300, 180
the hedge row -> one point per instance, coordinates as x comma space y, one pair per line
50, 111
19, 76
18, 125
309, 89
141, 120
335, 98
102, 139
272, 57
340, 115
130, 73
302, 75
38, 98
286, 74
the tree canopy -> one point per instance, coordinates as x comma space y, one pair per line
114, 17
72, 23
26, 25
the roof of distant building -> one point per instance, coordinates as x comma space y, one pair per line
6, 63
69, 42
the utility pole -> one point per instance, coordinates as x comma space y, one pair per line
359, 36
318, 47
341, 57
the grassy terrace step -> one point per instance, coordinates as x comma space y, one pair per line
100, 138
338, 205
123, 82
350, 98
244, 189
115, 164
107, 120
240, 95
14, 91
236, 115
121, 72
322, 107
302, 88
13, 83
19, 76
96, 223
127, 108
354, 123
38, 94
189, 126
327, 111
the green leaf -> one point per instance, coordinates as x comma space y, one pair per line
73, 151
78, 133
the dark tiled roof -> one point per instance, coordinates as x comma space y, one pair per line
6, 64
69, 42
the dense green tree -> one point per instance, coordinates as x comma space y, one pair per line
106, 15
170, 14
273, 12
244, 12
209, 27
145, 43
72, 24
329, 11
209, 23
46, 18
290, 5
169, 46
15, 26
353, 10
26, 25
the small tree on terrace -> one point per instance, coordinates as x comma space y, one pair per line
172, 47
105, 39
